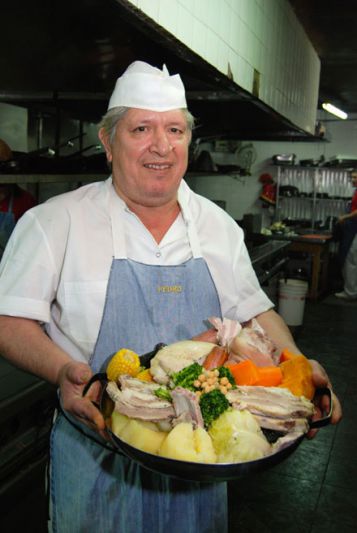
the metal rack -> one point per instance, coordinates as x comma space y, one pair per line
51, 178
320, 193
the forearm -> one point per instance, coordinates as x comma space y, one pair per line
26, 345
277, 331
349, 216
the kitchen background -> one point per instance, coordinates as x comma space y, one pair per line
254, 82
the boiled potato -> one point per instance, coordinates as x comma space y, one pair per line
187, 444
142, 435
119, 422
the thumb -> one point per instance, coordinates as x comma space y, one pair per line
78, 373
319, 375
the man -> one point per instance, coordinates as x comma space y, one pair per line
347, 225
87, 281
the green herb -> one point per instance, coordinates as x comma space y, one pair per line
186, 377
212, 404
163, 394
224, 372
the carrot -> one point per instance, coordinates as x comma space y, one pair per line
216, 357
248, 373
297, 376
286, 355
244, 373
269, 376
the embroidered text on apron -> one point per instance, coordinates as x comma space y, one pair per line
96, 490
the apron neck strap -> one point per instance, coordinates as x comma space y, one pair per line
117, 226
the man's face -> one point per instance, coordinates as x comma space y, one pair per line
354, 179
149, 155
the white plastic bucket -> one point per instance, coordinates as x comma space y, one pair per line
292, 295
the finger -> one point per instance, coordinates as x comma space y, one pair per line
337, 410
78, 373
312, 433
84, 409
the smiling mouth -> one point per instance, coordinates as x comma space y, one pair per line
157, 166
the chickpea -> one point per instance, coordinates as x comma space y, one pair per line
229, 385
216, 372
202, 377
223, 389
224, 381
197, 383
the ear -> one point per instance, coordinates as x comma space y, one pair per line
103, 137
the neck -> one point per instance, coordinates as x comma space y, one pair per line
156, 218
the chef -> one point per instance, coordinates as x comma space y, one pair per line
90, 272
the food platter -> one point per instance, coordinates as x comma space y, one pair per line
192, 471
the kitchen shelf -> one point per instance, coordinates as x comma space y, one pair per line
318, 193
51, 178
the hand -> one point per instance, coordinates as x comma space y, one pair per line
73, 377
321, 379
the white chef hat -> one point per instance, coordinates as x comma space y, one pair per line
147, 87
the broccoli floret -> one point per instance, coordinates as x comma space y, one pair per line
212, 404
186, 376
224, 372
164, 394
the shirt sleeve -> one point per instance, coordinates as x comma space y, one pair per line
251, 299
28, 271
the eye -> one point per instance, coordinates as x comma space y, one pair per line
140, 129
174, 129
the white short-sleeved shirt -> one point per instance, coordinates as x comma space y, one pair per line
56, 266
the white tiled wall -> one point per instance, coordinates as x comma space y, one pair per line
244, 35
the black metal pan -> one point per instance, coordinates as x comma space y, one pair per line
202, 472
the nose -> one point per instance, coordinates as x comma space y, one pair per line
160, 142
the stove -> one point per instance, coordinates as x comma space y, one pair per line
26, 410
270, 261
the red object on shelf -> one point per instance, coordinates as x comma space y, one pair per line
268, 193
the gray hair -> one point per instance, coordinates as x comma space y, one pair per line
113, 116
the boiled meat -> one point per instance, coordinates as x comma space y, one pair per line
175, 357
273, 407
252, 343
186, 407
137, 399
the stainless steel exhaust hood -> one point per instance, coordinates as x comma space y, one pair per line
64, 57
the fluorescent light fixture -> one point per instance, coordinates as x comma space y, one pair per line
334, 110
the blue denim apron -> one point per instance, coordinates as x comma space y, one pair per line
7, 224
95, 490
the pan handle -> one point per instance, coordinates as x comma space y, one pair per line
146, 357
102, 377
325, 420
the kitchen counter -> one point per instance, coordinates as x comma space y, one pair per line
314, 243
315, 237
267, 250
26, 411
